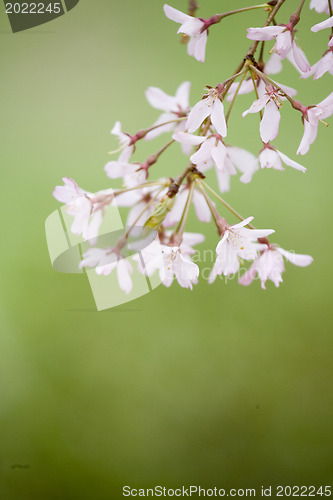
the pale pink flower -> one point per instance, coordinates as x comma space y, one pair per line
225, 158
320, 6
171, 261
210, 105
195, 28
78, 205
312, 116
173, 107
105, 261
237, 243
199, 203
270, 265
328, 23
284, 43
269, 125
324, 65
125, 145
247, 87
270, 157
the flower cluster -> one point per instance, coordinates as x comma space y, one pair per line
160, 207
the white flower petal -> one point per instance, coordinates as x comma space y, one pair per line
296, 259
199, 113
269, 125
218, 119
328, 23
267, 33
175, 15
290, 163
257, 105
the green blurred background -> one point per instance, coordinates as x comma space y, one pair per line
224, 386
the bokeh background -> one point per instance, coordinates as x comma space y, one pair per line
223, 386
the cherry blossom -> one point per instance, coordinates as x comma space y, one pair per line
159, 209
247, 87
324, 65
237, 243
225, 158
171, 261
200, 206
173, 107
126, 147
210, 105
271, 102
284, 43
270, 265
194, 28
270, 157
78, 205
312, 116
105, 261
320, 6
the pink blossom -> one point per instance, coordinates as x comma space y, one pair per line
312, 116
105, 261
284, 43
320, 6
270, 265
324, 65
194, 28
237, 243
171, 261
210, 105
269, 125
199, 203
225, 158
270, 157
173, 107
78, 205
247, 87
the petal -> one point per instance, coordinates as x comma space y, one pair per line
283, 43
218, 119
328, 23
115, 169
320, 6
204, 153
245, 88
199, 46
185, 138
243, 223
116, 129
158, 99
199, 113
296, 259
274, 64
219, 153
309, 136
183, 95
257, 105
175, 15
164, 117
290, 163
201, 208
300, 58
223, 179
269, 125
124, 269
267, 33
249, 276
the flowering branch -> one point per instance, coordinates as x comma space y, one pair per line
164, 204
